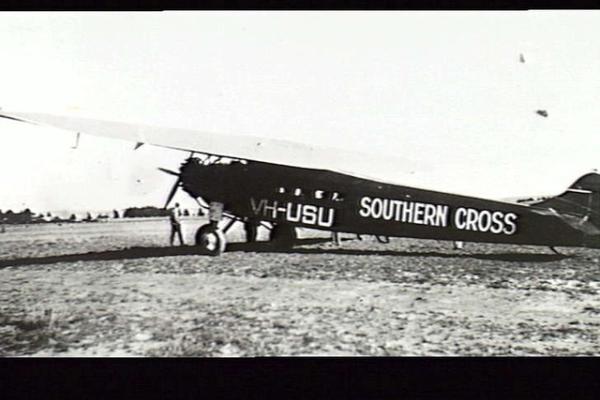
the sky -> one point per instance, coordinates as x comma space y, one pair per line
444, 88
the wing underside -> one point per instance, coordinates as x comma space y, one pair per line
250, 148
179, 139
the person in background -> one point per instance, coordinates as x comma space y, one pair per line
174, 214
335, 238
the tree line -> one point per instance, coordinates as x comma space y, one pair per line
28, 217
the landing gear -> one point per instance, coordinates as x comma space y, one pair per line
335, 238
251, 229
556, 251
211, 239
283, 236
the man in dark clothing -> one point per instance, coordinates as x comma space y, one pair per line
175, 224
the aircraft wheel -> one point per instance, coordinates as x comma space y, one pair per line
211, 239
283, 236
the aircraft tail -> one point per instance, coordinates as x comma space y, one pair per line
581, 199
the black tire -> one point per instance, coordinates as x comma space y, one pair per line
211, 240
283, 236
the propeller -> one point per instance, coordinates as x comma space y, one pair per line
168, 171
175, 186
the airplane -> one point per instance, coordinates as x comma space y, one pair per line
239, 181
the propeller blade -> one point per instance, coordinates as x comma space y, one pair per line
168, 171
172, 193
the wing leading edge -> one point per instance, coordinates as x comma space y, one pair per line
267, 150
173, 138
274, 151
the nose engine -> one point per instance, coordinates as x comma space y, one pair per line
192, 173
188, 178
217, 182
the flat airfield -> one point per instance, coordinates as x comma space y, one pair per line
116, 289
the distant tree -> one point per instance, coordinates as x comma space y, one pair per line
73, 217
23, 217
37, 218
49, 214
142, 212
88, 217
115, 214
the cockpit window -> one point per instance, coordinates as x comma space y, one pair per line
297, 192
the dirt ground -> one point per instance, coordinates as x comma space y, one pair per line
409, 297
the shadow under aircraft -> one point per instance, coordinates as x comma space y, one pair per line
265, 247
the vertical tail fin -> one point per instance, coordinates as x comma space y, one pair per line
582, 199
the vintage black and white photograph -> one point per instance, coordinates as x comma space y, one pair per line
299, 183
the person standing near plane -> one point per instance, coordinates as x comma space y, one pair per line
335, 238
174, 214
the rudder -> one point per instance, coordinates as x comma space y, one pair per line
581, 199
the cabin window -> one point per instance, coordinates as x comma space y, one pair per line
337, 197
281, 190
297, 192
319, 194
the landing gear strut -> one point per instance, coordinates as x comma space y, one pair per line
251, 229
556, 251
283, 236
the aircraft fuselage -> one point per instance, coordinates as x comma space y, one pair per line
332, 201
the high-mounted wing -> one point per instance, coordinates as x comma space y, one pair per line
241, 147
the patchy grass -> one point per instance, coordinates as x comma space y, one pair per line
410, 297
29, 332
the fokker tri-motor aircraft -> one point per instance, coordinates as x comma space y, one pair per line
241, 180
